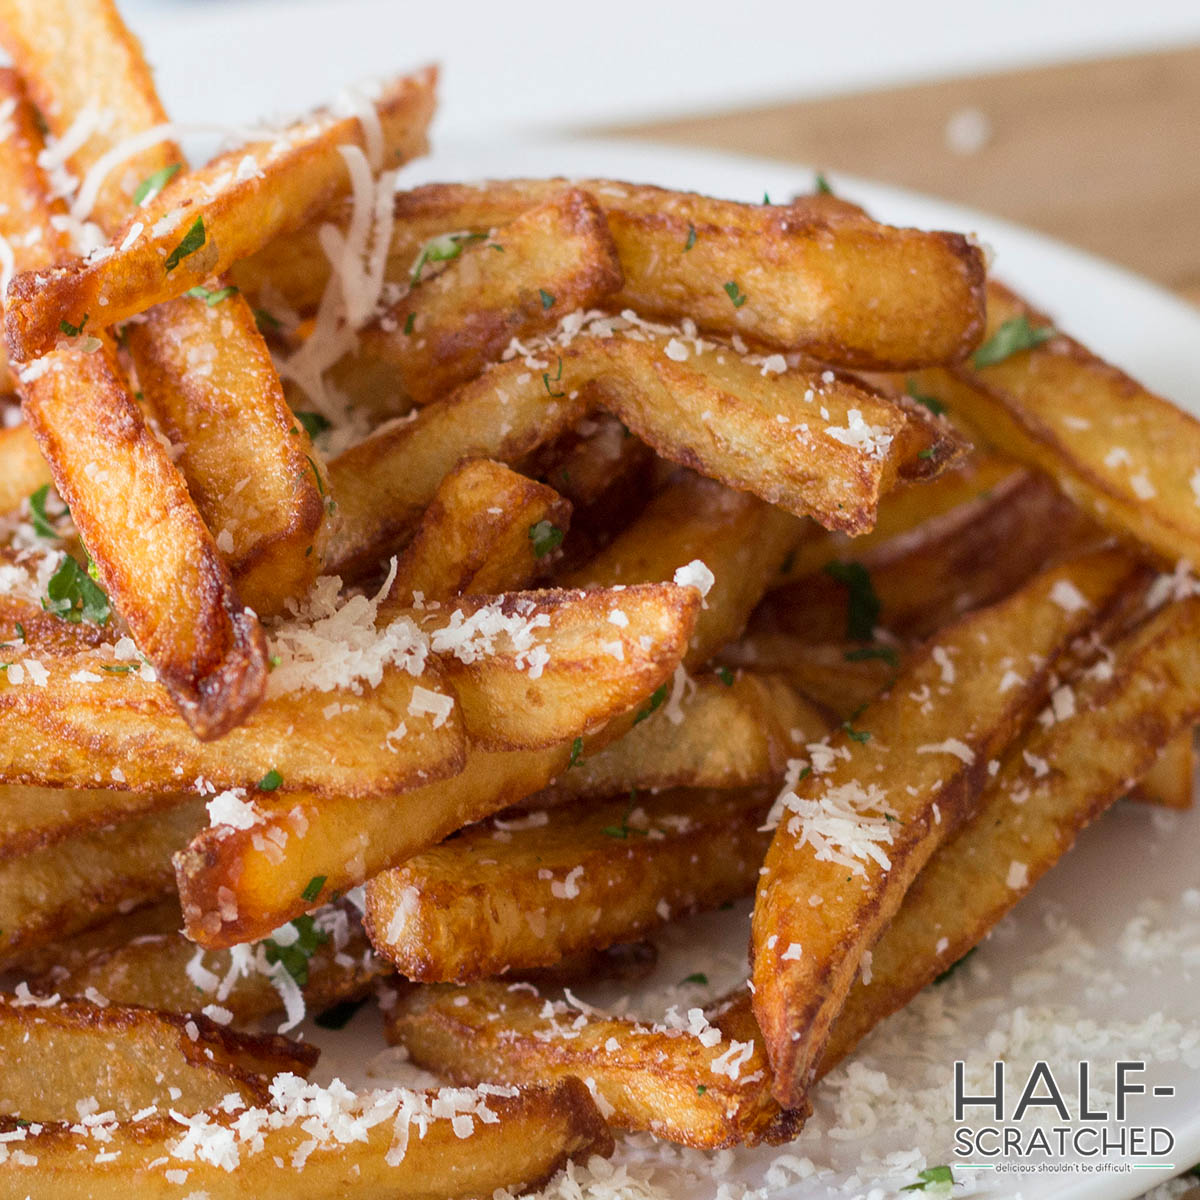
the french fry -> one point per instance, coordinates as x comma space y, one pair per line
241, 199
77, 882
22, 468
54, 1054
798, 269
115, 720
694, 1087
1171, 781
1054, 782
203, 369
965, 558
486, 530
728, 731
551, 260
523, 893
1123, 454
400, 1144
160, 971
859, 845
384, 484
155, 558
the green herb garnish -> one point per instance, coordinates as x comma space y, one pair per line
340, 1015
623, 830
74, 596
821, 185
270, 781
192, 241
153, 184
547, 299
862, 608
576, 753
885, 653
931, 1176
725, 675
656, 699
697, 977
118, 668
691, 238
932, 403
1015, 335
295, 958
545, 536
954, 966
73, 330
266, 322
312, 889
442, 249
409, 322
547, 380
313, 423
735, 293
43, 522
211, 298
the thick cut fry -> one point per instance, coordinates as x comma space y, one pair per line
551, 260
384, 484
526, 892
160, 971
69, 731
890, 788
264, 871
726, 731
531, 669
487, 530
22, 468
205, 372
1171, 781
158, 563
701, 1088
970, 556
54, 1054
739, 538
398, 1144
77, 882
802, 271
1125, 455
1053, 783
241, 199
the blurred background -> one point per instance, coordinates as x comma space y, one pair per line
1082, 120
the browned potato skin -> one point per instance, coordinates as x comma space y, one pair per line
970, 556
454, 324
235, 421
151, 971
585, 681
239, 214
156, 559
799, 266
76, 882
1171, 781
474, 537
653, 1082
492, 900
128, 1058
67, 732
537, 1134
732, 735
1122, 723
22, 468
1027, 405
930, 795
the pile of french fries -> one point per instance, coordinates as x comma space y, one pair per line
429, 594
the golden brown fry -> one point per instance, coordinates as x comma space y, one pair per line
80, 881
153, 971
108, 722
1028, 817
1125, 455
22, 468
798, 268
205, 373
384, 484
375, 1146
487, 530
238, 201
1171, 781
970, 556
675, 1083
56, 1054
155, 558
550, 261
728, 731
532, 669
857, 837
523, 893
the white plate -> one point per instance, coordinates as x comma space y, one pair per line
1069, 947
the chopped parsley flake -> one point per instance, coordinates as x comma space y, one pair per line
766, 197
73, 330
656, 699
118, 668
316, 474
212, 297
885, 653
547, 379
576, 753
270, 782
700, 1089
821, 185
545, 537
295, 958
192, 241
725, 675
932, 403
74, 596
862, 607
43, 522
697, 977
266, 322
547, 298
442, 249
691, 238
927, 453
1015, 335
857, 735
313, 423
930, 1177
312, 889
409, 322
735, 293
623, 830
153, 184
